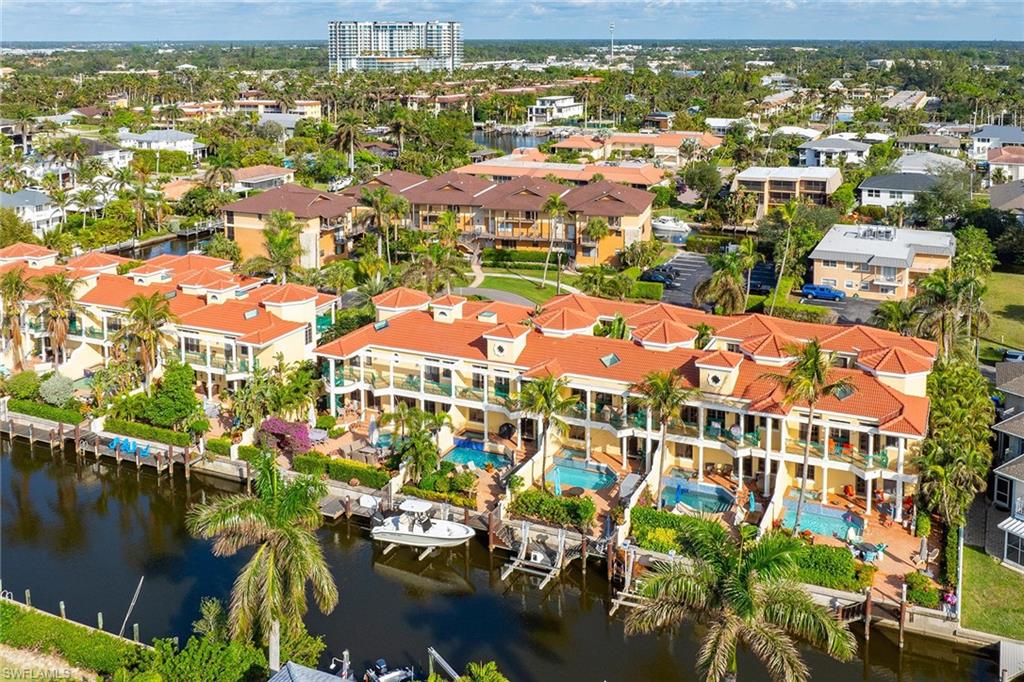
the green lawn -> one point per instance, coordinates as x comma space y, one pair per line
525, 288
1006, 310
992, 596
526, 272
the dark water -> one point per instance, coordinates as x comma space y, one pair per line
506, 143
85, 533
176, 246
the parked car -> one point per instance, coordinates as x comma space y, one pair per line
1010, 355
822, 291
655, 276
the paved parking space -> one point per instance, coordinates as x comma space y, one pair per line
852, 310
688, 270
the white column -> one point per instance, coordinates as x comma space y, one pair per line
209, 384
824, 483
423, 373
871, 450
331, 388
207, 354
824, 445
181, 339
622, 447
586, 423
487, 388
391, 381
739, 469
486, 416
899, 481
767, 455
782, 438
700, 462
700, 422
648, 440
867, 490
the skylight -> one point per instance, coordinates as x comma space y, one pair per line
610, 359
380, 326
844, 392
171, 294
249, 314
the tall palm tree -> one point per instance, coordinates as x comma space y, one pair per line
725, 286
403, 417
14, 290
543, 399
447, 228
400, 124
383, 206
219, 173
350, 125
280, 521
144, 329
742, 589
596, 229
749, 256
432, 269
58, 291
338, 276
788, 213
86, 200
663, 394
12, 178
940, 301
281, 242
557, 209
806, 383
894, 316
171, 113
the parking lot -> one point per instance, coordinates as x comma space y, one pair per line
851, 310
688, 270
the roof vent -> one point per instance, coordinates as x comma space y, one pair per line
844, 392
171, 294
487, 316
610, 359
380, 326
249, 314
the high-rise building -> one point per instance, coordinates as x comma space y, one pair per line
395, 45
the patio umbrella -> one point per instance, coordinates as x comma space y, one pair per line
750, 502
922, 551
373, 432
558, 485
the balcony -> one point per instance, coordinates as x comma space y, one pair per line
345, 376
195, 358
438, 387
37, 325
471, 393
497, 394
94, 333
323, 323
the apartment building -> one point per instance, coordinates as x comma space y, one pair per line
939, 144
467, 358
394, 46
830, 151
304, 108
554, 108
775, 186
907, 100
668, 147
456, 192
34, 207
164, 140
530, 162
327, 228
878, 262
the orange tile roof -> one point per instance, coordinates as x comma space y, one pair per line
894, 361
448, 300
189, 261
770, 346
260, 171
23, 250
113, 291
285, 293
401, 297
217, 280
507, 331
548, 368
666, 332
721, 358
96, 260
176, 189
251, 323
579, 142
564, 319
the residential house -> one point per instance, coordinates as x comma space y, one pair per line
907, 100
927, 162
325, 219
668, 147
989, 136
1007, 161
721, 126
659, 120
34, 207
1004, 517
1008, 196
458, 193
775, 186
939, 144
526, 162
163, 140
261, 177
468, 358
830, 151
894, 189
554, 108
879, 262
395, 181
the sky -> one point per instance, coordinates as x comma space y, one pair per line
149, 20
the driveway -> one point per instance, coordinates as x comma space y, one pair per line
689, 270
494, 295
851, 310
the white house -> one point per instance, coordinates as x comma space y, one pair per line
990, 136
830, 150
111, 155
34, 207
720, 126
895, 188
1009, 160
165, 140
554, 108
926, 162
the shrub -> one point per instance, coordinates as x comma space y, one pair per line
57, 414
147, 432
920, 590
326, 422
336, 431
656, 530
57, 390
313, 463
249, 453
951, 557
434, 496
707, 243
174, 399
563, 511
343, 470
24, 385
502, 256
833, 567
288, 438
923, 525
649, 290
219, 446
206, 659
82, 647
659, 539
871, 211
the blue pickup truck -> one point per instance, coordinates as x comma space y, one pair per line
822, 291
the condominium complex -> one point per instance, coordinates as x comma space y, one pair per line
394, 45
469, 358
775, 186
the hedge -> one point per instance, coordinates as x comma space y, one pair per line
343, 470
649, 290
833, 567
219, 446
920, 590
82, 647
952, 557
515, 256
539, 267
249, 453
783, 307
43, 411
563, 511
707, 243
434, 496
147, 432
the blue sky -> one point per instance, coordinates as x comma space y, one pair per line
665, 19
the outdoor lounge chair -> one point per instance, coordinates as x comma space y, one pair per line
129, 447
115, 443
144, 451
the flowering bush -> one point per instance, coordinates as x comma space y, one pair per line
284, 437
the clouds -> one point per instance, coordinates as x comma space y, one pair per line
657, 19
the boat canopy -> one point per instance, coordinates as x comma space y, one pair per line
416, 506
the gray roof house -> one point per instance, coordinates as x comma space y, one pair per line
926, 162
293, 672
1004, 517
880, 245
1008, 196
827, 150
990, 136
894, 188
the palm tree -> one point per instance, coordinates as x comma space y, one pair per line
12, 178
596, 229
171, 113
73, 150
144, 329
350, 125
482, 672
58, 290
219, 172
704, 334
447, 228
280, 521
788, 213
725, 286
663, 394
403, 417
742, 589
400, 124
749, 257
14, 290
557, 209
433, 268
282, 244
542, 399
434, 422
338, 276
806, 383
939, 302
894, 316
383, 205
86, 200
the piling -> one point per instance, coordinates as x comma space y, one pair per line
611, 559
99, 620
135, 631
28, 597
248, 477
187, 456
583, 554
31, 434
867, 615
78, 438
348, 507
490, 531
465, 515
60, 605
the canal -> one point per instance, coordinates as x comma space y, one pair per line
506, 142
84, 533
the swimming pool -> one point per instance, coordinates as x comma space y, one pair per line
701, 497
471, 440
821, 520
480, 459
570, 472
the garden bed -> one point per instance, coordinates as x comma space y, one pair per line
44, 411
560, 511
341, 470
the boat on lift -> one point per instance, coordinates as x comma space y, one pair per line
416, 527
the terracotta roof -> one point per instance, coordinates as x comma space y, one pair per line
189, 261
564, 319
113, 291
664, 311
579, 142
263, 170
646, 175
250, 323
303, 202
448, 300
507, 331
176, 189
608, 199
894, 361
665, 332
548, 368
522, 194
1006, 154
284, 293
217, 280
770, 346
23, 250
401, 297
720, 358
96, 260
449, 189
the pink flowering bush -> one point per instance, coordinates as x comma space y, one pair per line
285, 437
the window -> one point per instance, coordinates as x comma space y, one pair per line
1015, 549
732, 347
874, 193
829, 282
829, 263
476, 415
309, 334
800, 472
865, 286
191, 345
851, 266
478, 381
1001, 493
849, 284
895, 195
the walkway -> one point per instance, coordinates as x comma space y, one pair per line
495, 295
478, 274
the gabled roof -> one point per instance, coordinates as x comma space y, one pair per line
1007, 154
260, 172
1010, 377
401, 297
448, 301
608, 199
1008, 196
664, 332
775, 346
910, 182
113, 291
24, 250
548, 368
506, 331
96, 260
521, 194
283, 293
188, 261
564, 319
249, 322
394, 180
722, 359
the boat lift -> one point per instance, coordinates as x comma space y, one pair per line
628, 596
537, 562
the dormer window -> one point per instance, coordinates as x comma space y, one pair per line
499, 349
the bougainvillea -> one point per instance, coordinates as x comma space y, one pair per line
285, 437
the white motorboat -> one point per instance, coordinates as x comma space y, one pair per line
670, 226
414, 528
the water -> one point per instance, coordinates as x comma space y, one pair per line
820, 520
85, 534
177, 246
480, 459
699, 496
507, 142
572, 473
